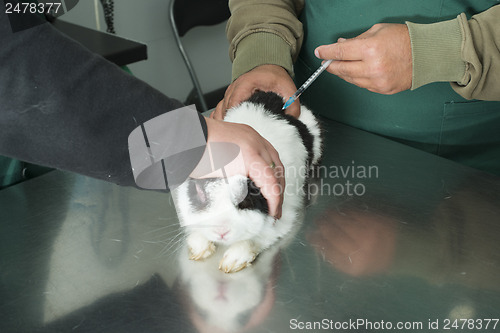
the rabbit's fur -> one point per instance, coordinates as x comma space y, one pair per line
231, 212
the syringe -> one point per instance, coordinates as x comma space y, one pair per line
307, 83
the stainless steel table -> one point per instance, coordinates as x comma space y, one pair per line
392, 239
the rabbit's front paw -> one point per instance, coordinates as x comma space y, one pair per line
237, 257
199, 247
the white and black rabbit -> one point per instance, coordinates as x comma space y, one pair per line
212, 214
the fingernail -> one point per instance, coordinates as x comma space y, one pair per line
316, 53
340, 40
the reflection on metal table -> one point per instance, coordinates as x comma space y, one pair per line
393, 238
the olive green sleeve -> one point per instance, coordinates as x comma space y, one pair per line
463, 52
264, 32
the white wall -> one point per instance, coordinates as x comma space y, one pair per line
147, 21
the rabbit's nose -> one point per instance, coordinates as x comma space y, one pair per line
222, 231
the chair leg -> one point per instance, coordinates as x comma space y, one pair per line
186, 59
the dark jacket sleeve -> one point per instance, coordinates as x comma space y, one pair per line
64, 107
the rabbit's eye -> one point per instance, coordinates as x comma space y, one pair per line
254, 199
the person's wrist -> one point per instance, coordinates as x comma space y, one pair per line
215, 128
436, 52
259, 49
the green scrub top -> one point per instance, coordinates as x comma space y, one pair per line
432, 118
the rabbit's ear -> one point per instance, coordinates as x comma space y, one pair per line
199, 193
269, 100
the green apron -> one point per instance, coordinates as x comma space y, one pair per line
433, 118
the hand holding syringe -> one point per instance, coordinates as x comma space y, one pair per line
307, 83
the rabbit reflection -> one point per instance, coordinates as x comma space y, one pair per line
226, 303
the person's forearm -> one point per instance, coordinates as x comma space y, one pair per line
64, 107
465, 53
264, 32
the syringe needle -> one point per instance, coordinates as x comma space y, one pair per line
306, 84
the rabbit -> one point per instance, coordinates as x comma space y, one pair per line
231, 212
